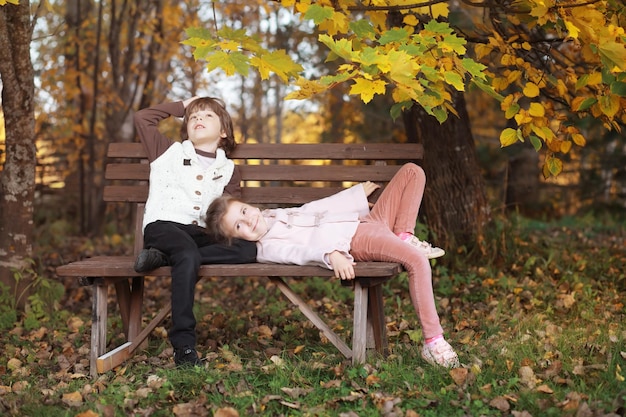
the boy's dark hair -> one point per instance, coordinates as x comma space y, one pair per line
227, 143
214, 216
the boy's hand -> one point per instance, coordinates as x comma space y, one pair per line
189, 100
343, 267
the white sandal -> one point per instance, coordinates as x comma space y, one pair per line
440, 353
426, 248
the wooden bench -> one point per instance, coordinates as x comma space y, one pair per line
273, 174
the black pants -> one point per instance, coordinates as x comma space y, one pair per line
187, 246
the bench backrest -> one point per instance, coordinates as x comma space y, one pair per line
272, 174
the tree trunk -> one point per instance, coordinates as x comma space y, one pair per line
455, 205
17, 180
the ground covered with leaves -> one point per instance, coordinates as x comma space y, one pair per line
538, 320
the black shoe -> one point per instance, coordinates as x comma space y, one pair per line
186, 356
149, 259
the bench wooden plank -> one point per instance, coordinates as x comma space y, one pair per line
299, 151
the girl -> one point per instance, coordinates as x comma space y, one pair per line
336, 231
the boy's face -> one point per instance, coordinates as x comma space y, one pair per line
204, 128
244, 221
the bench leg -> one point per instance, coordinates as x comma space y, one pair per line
359, 328
98, 324
312, 316
376, 320
130, 302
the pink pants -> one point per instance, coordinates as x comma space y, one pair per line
376, 240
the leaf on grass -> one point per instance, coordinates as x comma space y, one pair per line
459, 375
527, 377
226, 412
545, 389
73, 399
296, 392
14, 364
500, 403
372, 380
74, 324
88, 413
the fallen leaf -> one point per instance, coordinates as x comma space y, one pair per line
226, 412
73, 399
20, 386
14, 364
500, 403
459, 375
527, 376
545, 389
88, 413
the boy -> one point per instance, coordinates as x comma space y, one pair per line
185, 177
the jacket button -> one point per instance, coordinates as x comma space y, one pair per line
196, 208
199, 177
198, 193
195, 222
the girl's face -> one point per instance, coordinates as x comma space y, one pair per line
244, 221
204, 128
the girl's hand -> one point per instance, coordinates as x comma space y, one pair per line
343, 267
369, 187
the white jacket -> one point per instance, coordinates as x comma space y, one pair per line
304, 235
180, 189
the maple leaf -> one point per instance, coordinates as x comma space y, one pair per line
367, 88
278, 62
230, 63
613, 55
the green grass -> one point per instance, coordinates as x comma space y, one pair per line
540, 327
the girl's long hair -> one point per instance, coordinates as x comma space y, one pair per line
214, 216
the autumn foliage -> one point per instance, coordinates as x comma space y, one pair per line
549, 64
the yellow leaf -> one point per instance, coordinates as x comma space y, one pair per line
566, 145
366, 88
482, 50
508, 137
572, 29
609, 105
514, 76
531, 90
595, 78
410, 19
579, 139
536, 110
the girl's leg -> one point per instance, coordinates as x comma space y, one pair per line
374, 242
399, 203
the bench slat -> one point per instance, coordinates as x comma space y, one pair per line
308, 173
253, 195
335, 151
